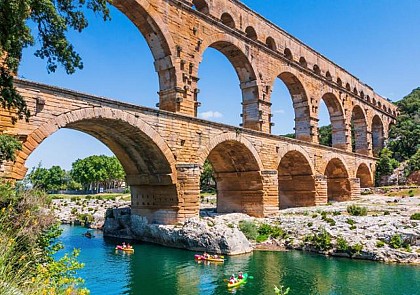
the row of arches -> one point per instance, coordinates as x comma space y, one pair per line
250, 32
240, 185
162, 189
363, 130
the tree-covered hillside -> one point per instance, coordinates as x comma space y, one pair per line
404, 138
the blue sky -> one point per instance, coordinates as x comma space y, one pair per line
377, 41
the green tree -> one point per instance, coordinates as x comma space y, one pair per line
404, 136
51, 21
413, 164
56, 178
385, 165
325, 135
206, 178
94, 171
39, 177
48, 179
8, 147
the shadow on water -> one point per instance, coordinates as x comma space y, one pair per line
158, 270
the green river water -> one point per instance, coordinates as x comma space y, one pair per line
158, 270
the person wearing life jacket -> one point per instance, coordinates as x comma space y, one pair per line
232, 279
240, 275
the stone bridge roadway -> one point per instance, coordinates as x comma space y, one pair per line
163, 152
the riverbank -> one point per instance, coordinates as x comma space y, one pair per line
87, 210
385, 234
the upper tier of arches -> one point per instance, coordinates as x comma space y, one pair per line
239, 17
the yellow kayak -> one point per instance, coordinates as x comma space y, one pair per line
238, 281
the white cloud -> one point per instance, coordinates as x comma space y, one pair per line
280, 111
210, 114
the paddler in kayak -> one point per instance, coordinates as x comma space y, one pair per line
232, 279
240, 275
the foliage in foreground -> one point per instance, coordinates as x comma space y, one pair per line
280, 291
27, 244
8, 146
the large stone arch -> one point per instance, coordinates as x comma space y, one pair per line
359, 125
300, 101
237, 170
155, 31
365, 175
337, 118
295, 180
205, 150
377, 128
338, 182
233, 49
146, 158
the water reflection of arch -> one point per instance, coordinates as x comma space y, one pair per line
146, 158
237, 167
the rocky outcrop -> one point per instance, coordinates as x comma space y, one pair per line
198, 234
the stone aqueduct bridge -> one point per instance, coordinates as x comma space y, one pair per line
162, 151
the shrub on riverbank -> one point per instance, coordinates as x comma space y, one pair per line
320, 240
249, 229
27, 246
415, 216
356, 210
261, 233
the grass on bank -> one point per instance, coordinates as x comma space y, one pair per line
409, 192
